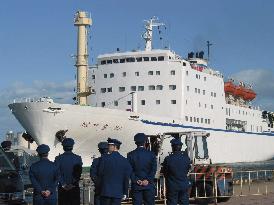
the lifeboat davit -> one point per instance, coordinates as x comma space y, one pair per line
249, 95
229, 87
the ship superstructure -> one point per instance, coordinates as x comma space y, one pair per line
152, 91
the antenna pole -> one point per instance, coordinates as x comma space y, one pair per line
208, 48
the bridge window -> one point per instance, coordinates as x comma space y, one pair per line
151, 87
141, 88
139, 59
122, 89
103, 62
184, 63
133, 88
109, 61
130, 60
146, 58
159, 87
115, 61
153, 59
122, 60
161, 58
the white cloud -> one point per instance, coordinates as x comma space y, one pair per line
262, 81
60, 92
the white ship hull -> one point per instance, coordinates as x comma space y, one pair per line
90, 125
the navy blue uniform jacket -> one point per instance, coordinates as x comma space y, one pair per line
114, 172
144, 166
44, 175
70, 167
175, 169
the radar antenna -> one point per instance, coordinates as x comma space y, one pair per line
147, 36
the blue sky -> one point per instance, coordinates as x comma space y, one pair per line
37, 39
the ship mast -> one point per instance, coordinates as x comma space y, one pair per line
147, 36
82, 21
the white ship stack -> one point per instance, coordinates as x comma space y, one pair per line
152, 91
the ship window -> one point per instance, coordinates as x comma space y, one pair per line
187, 72
215, 95
196, 90
186, 102
143, 102
109, 90
161, 58
205, 121
105, 75
128, 102
109, 61
194, 119
211, 94
203, 92
172, 72
115, 103
211, 106
173, 102
137, 73
187, 88
139, 59
184, 63
151, 87
141, 88
124, 74
159, 87
204, 78
199, 104
103, 62
111, 75
103, 104
202, 120
205, 105
169, 57
122, 60
115, 61
208, 120
197, 119
172, 87
199, 91
158, 72
133, 88
103, 90
122, 89
150, 72
93, 77
186, 118
158, 102
190, 119
146, 58
153, 59
130, 59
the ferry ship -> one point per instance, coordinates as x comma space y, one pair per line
152, 91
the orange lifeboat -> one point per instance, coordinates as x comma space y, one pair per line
249, 95
229, 87
240, 91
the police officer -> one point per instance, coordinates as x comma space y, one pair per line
114, 172
144, 165
6, 145
175, 169
103, 149
70, 167
44, 176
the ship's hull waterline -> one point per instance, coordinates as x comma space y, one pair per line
90, 125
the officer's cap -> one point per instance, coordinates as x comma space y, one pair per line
176, 142
42, 149
68, 142
5, 144
103, 145
140, 137
114, 142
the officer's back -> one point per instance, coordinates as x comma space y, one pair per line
44, 176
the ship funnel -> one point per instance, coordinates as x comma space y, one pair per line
82, 21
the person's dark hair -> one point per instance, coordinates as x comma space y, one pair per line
176, 148
66, 149
43, 155
117, 146
103, 151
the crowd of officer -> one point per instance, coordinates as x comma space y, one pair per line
111, 174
